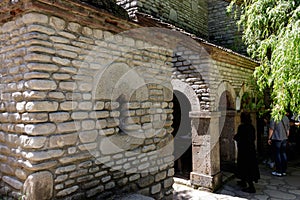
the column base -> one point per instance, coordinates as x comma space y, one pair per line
207, 182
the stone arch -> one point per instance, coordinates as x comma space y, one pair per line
244, 101
226, 104
185, 101
189, 92
225, 88
189, 67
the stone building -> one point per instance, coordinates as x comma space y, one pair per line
206, 84
89, 96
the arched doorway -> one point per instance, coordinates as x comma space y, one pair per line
182, 135
227, 127
185, 102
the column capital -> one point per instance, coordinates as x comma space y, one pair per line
204, 114
229, 113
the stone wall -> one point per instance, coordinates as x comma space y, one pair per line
222, 28
207, 68
189, 15
80, 113
206, 19
86, 101
189, 67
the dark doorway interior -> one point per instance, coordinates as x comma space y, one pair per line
227, 127
182, 135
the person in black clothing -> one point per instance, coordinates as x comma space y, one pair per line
247, 164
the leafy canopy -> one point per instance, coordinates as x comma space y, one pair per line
271, 31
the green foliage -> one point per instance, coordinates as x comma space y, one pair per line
271, 31
253, 101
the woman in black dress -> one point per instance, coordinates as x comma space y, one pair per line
247, 165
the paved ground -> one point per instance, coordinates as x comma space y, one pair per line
267, 188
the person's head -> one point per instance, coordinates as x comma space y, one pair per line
245, 118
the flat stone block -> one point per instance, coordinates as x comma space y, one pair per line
146, 181
12, 182
66, 127
88, 136
31, 142
40, 28
59, 116
156, 188
63, 140
209, 182
34, 17
40, 129
35, 117
40, 106
42, 155
57, 23
67, 191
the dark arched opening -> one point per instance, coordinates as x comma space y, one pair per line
182, 135
227, 127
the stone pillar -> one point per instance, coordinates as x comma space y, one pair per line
206, 152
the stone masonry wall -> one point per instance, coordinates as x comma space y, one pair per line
188, 66
206, 70
80, 113
223, 30
235, 75
205, 19
190, 15
85, 107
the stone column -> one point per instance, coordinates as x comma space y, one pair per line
206, 152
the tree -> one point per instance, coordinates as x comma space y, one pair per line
271, 31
